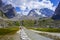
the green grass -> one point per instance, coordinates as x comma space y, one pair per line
5, 31
47, 29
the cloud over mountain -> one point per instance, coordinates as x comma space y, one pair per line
31, 4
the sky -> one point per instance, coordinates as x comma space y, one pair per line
24, 6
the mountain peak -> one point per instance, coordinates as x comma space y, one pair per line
44, 12
47, 12
33, 13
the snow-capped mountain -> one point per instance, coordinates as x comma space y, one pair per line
47, 12
44, 12
33, 13
36, 14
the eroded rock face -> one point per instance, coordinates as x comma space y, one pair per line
56, 16
8, 10
1, 3
57, 11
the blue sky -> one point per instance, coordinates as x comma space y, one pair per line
55, 2
25, 6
